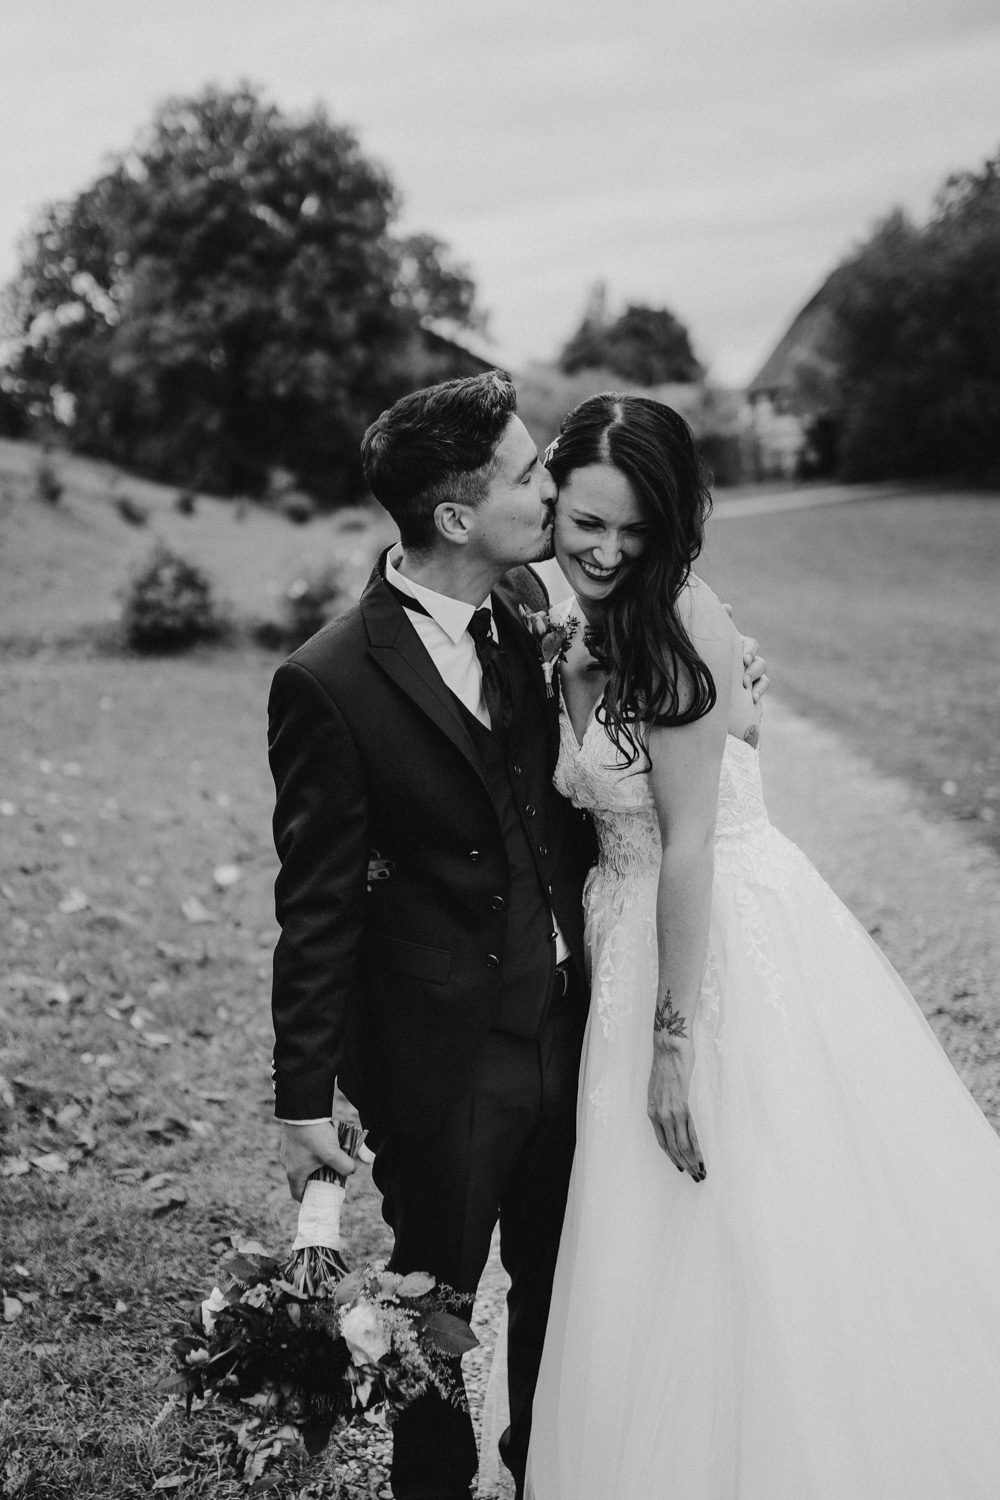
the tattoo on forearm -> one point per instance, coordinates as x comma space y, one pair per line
665, 1018
752, 735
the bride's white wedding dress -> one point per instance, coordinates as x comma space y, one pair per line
819, 1319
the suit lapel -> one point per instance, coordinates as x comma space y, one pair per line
536, 706
399, 651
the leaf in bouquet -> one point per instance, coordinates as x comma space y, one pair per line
351, 1287
245, 1246
448, 1333
181, 1382
290, 1291
250, 1269
315, 1436
416, 1284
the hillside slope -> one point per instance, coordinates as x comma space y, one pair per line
63, 565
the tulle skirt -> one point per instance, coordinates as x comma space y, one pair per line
820, 1318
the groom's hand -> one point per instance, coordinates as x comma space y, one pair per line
306, 1147
755, 674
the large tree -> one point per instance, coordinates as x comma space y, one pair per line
645, 345
916, 339
227, 297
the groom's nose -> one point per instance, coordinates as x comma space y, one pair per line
549, 489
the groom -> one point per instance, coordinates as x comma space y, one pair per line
430, 965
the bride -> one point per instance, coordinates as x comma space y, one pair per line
778, 1275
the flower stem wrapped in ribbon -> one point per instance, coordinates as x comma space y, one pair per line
552, 637
316, 1257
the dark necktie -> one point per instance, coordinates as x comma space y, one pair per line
496, 681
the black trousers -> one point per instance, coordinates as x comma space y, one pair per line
503, 1152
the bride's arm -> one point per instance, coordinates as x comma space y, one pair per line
685, 783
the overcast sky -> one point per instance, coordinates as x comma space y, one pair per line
716, 156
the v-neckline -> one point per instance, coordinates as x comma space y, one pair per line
563, 709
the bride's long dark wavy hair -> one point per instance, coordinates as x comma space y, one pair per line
648, 654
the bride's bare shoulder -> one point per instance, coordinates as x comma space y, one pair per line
701, 614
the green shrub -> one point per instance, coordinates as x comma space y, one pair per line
311, 602
169, 605
48, 485
131, 511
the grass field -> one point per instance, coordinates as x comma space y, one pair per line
134, 1042
882, 619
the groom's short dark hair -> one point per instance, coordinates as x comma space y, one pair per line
434, 446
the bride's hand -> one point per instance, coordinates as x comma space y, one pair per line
667, 1105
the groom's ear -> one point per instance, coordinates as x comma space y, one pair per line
451, 521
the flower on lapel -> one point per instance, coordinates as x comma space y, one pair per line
552, 637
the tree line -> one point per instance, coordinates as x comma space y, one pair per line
231, 297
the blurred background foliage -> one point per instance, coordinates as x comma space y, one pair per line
228, 297
229, 301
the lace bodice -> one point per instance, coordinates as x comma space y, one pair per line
619, 798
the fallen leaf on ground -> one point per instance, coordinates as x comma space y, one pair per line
57, 994
69, 840
14, 1166
202, 1128
67, 1115
73, 901
50, 1161
169, 1482
226, 875
6, 1092
12, 1308
173, 1198
121, 1306
168, 1129
122, 1084
157, 1181
212, 1096
196, 911
154, 1039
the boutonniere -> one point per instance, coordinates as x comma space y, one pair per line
552, 637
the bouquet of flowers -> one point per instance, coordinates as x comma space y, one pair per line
309, 1346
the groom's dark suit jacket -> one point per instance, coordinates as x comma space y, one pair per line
392, 986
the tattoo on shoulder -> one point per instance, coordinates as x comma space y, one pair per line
665, 1018
752, 735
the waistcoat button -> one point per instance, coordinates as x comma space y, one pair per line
473, 853
516, 769
530, 809
492, 962
497, 903
543, 850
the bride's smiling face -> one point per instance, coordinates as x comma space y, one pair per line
600, 530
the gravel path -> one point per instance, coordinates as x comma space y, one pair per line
929, 895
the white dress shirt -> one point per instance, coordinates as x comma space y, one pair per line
444, 630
